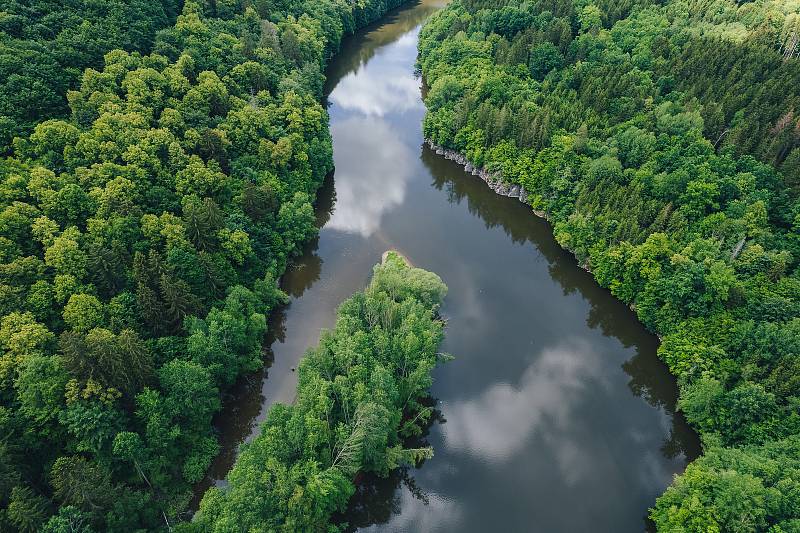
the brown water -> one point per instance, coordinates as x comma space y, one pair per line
556, 414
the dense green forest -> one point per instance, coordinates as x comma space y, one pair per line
141, 237
662, 141
45, 45
358, 397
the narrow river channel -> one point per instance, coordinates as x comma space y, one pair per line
555, 414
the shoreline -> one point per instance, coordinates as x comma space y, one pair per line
385, 256
495, 182
492, 179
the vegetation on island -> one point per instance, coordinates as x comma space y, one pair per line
141, 235
159, 161
662, 141
358, 398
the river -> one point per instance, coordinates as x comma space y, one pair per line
556, 414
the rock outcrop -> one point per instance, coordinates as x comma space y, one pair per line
495, 182
493, 179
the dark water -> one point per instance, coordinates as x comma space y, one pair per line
556, 414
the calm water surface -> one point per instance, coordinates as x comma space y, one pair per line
556, 414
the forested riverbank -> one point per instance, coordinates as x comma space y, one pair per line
662, 143
143, 230
359, 395
45, 45
140, 241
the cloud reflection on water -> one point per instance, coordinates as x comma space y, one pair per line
383, 87
499, 423
368, 187
433, 513
370, 94
373, 166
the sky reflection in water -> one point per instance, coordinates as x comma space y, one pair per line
368, 187
556, 414
534, 422
374, 167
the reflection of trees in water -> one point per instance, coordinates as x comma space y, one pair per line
494, 210
276, 332
649, 377
377, 499
651, 380
326, 201
357, 50
305, 269
682, 440
242, 404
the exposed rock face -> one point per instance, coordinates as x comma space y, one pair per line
493, 179
495, 182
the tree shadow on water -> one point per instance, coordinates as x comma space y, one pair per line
377, 500
649, 377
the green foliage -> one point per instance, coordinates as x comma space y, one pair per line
26, 510
45, 45
68, 520
358, 395
142, 231
83, 312
661, 142
735, 489
544, 57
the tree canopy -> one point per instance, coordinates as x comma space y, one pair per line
45, 45
142, 231
358, 396
661, 140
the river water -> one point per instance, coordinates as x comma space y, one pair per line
556, 414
